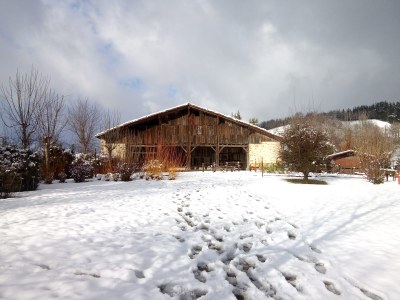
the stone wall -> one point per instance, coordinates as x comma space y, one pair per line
268, 152
119, 150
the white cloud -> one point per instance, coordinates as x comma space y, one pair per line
261, 58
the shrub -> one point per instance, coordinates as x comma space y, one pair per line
115, 176
9, 182
126, 170
106, 177
81, 171
62, 177
82, 167
59, 161
373, 166
48, 179
172, 174
153, 170
274, 168
19, 170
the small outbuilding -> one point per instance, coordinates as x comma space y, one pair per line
343, 162
202, 137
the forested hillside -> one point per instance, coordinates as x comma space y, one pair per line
385, 111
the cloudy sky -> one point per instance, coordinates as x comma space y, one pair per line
263, 58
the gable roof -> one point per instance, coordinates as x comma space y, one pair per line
196, 107
342, 154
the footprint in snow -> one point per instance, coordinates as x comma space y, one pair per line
240, 293
366, 292
293, 225
195, 251
231, 278
245, 265
319, 266
292, 280
268, 289
331, 287
202, 266
315, 249
261, 258
215, 246
170, 290
199, 276
370, 294
259, 224
179, 238
245, 235
291, 235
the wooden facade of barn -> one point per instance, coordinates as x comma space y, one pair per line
198, 135
345, 162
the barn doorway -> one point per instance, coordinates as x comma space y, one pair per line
233, 155
202, 156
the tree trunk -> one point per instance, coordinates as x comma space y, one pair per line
109, 160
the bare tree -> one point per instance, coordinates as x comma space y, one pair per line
83, 122
374, 147
305, 145
22, 102
51, 123
112, 135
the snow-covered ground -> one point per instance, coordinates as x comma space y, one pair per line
381, 124
205, 235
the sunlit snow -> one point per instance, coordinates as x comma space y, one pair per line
232, 235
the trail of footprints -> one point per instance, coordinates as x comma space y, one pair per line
231, 255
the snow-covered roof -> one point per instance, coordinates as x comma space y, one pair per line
345, 153
190, 105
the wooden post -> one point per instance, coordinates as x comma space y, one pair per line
189, 145
262, 167
217, 148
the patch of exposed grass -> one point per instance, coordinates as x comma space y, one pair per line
309, 181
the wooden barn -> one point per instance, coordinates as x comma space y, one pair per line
200, 136
344, 162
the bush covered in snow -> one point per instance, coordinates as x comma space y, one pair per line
126, 170
83, 167
62, 177
19, 170
80, 172
60, 161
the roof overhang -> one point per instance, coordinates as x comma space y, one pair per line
188, 106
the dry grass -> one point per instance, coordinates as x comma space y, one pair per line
163, 159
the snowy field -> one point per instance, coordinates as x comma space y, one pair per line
205, 235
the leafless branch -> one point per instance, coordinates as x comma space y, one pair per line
22, 103
83, 122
